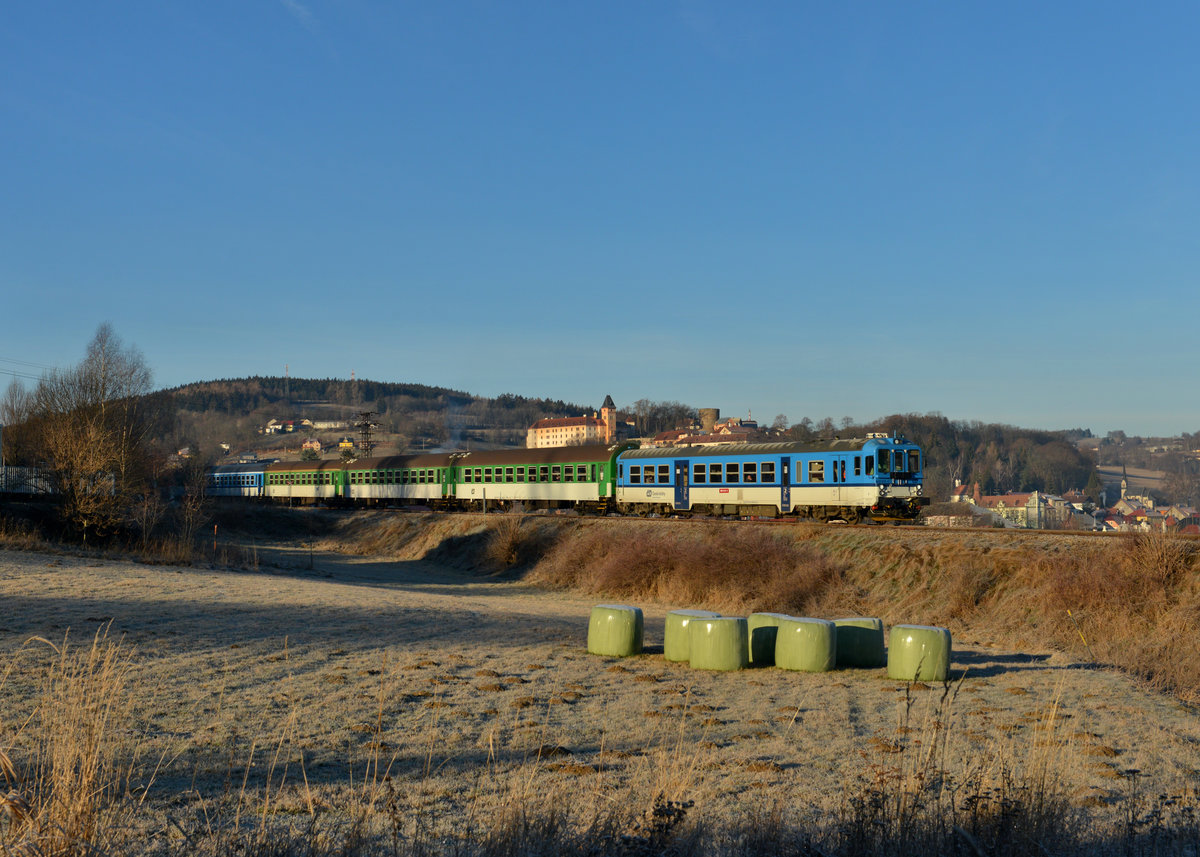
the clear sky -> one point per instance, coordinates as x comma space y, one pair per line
817, 209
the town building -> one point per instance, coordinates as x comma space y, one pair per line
574, 431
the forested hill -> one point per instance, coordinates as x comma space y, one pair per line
233, 410
1001, 458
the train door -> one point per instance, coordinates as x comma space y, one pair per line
785, 485
682, 500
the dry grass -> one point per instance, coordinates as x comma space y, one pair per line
713, 566
368, 733
64, 763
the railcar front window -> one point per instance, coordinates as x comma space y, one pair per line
816, 471
885, 460
914, 461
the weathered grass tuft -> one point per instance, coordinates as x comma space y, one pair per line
61, 767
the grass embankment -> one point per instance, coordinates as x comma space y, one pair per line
1133, 600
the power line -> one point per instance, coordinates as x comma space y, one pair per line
25, 376
27, 363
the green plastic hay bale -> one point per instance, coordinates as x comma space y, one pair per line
615, 630
720, 643
919, 653
763, 628
860, 642
676, 642
808, 645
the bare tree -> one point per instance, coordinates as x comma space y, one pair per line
93, 422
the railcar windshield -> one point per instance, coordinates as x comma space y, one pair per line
884, 457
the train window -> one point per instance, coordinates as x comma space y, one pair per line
914, 461
664, 474
816, 471
532, 474
869, 462
544, 473
768, 472
508, 474
581, 473
569, 473
478, 474
635, 474
885, 460
714, 473
731, 472
749, 472
858, 465
556, 473
833, 475
520, 474
699, 473
843, 470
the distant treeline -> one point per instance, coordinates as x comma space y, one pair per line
1001, 458
419, 416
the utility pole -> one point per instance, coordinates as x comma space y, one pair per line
366, 426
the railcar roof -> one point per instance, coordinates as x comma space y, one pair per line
243, 467
545, 455
848, 444
400, 462
305, 466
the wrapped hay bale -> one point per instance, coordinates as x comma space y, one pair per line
615, 630
763, 629
808, 645
860, 642
919, 653
720, 643
676, 642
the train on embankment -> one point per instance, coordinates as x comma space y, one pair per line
853, 479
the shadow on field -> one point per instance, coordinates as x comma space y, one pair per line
202, 624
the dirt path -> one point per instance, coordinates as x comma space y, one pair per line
453, 681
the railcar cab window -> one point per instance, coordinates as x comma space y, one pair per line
816, 471
914, 461
714, 472
749, 472
699, 474
885, 460
869, 461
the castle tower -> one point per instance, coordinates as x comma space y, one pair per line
608, 415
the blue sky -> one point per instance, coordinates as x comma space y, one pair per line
817, 209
